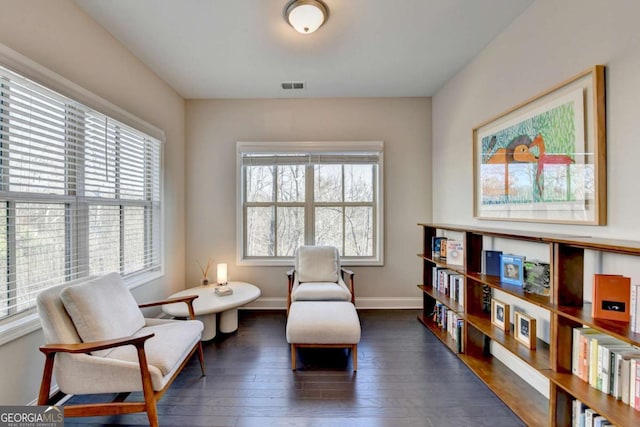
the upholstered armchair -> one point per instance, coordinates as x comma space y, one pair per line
99, 342
318, 276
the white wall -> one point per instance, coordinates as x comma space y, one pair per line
59, 36
404, 124
550, 42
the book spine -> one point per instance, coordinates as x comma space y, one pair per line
575, 352
636, 405
593, 362
632, 382
624, 378
635, 308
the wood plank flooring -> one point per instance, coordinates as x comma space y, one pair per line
405, 377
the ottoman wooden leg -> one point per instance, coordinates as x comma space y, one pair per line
293, 357
354, 355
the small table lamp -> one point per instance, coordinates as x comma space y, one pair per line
222, 274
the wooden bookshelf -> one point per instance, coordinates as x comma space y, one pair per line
567, 310
440, 333
524, 400
538, 358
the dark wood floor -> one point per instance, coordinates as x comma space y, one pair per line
405, 377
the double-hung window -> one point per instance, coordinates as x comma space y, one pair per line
311, 193
79, 194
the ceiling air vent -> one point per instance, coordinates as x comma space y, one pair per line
293, 85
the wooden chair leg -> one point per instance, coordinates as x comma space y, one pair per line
45, 385
293, 357
201, 358
147, 389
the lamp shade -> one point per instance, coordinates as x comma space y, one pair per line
222, 274
306, 16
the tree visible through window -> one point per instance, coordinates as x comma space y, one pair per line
324, 198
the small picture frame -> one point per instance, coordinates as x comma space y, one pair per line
500, 315
512, 271
524, 329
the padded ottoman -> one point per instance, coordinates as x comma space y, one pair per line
329, 324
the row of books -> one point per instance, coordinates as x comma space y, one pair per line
447, 250
449, 283
607, 364
533, 275
451, 322
582, 416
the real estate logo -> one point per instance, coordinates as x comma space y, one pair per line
31, 416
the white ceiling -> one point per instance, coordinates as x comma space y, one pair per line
245, 49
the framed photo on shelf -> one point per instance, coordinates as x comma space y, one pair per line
524, 329
512, 269
500, 315
543, 160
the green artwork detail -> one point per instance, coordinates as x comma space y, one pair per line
549, 139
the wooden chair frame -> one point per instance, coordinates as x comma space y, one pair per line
118, 406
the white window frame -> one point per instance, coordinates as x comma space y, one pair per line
26, 322
310, 147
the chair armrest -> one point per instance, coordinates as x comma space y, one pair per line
87, 347
290, 276
351, 274
188, 299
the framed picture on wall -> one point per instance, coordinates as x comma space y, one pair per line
544, 159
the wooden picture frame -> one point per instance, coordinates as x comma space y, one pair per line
500, 315
524, 329
544, 159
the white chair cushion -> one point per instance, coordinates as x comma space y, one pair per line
311, 322
320, 291
317, 264
172, 341
102, 309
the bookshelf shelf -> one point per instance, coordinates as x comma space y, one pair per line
538, 358
524, 400
616, 412
567, 310
442, 298
441, 334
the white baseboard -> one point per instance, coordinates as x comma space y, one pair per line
387, 303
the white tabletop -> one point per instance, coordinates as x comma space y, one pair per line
208, 302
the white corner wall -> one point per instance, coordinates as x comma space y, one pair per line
61, 37
550, 42
404, 124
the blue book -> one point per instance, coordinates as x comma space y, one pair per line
512, 270
491, 262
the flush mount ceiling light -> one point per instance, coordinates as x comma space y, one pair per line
306, 16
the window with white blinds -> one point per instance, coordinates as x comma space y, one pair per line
79, 193
310, 193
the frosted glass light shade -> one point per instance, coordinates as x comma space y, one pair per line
306, 16
222, 274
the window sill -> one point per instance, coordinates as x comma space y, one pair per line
288, 262
28, 323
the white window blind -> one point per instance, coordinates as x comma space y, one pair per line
79, 193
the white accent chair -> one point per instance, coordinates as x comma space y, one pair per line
321, 310
318, 276
99, 342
